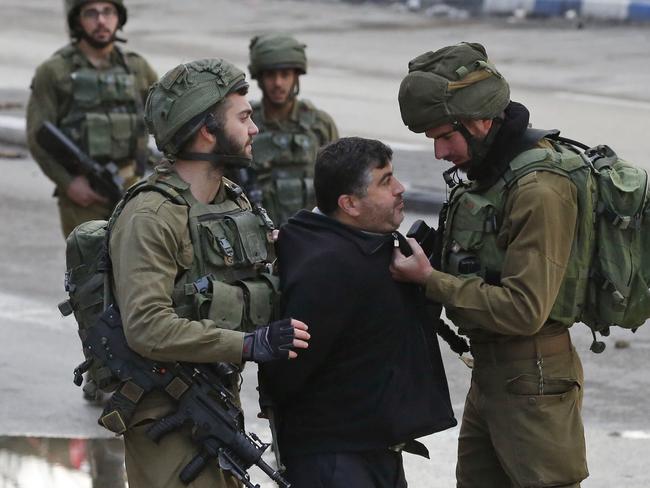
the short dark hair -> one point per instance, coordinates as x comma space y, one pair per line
343, 167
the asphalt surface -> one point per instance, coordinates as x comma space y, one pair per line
592, 83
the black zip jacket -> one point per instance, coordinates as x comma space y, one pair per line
372, 376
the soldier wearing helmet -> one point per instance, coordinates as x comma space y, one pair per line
511, 271
291, 130
187, 225
94, 92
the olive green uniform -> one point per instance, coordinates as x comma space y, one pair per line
284, 153
158, 248
100, 110
521, 424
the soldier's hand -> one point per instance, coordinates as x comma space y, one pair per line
278, 340
81, 193
414, 269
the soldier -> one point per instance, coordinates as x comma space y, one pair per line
291, 130
94, 92
189, 224
511, 272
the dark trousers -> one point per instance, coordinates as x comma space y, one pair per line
366, 469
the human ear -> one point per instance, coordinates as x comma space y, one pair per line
349, 205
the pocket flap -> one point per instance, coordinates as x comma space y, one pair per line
227, 306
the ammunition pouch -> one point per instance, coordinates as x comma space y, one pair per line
103, 119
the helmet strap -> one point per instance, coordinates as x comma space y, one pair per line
296, 87
222, 155
216, 158
478, 148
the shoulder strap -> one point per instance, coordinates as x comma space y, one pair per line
236, 193
529, 158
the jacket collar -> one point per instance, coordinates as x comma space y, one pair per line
369, 243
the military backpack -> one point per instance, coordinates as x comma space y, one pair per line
87, 280
608, 275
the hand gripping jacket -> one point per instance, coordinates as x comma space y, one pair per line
105, 115
230, 280
607, 277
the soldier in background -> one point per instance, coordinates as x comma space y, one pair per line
94, 92
291, 130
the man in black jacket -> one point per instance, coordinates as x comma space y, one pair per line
372, 379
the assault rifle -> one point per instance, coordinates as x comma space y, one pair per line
430, 240
103, 178
204, 402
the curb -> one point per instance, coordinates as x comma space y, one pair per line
617, 10
429, 200
12, 130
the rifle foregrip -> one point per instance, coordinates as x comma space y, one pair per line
165, 425
193, 468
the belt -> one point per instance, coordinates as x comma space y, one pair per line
526, 348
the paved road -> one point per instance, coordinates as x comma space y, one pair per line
592, 83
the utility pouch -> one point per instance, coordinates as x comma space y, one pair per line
226, 306
259, 302
251, 239
217, 244
473, 219
124, 135
110, 136
97, 140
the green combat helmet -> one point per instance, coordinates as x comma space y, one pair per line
276, 51
453, 83
183, 99
72, 8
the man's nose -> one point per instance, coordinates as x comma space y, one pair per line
440, 149
399, 188
253, 129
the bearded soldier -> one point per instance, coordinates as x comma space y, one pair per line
94, 92
514, 271
291, 130
192, 260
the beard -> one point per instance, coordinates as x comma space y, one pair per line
97, 43
235, 148
239, 153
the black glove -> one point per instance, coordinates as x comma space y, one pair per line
269, 343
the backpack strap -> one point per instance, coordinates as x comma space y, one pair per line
529, 158
104, 259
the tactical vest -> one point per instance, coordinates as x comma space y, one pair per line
475, 214
283, 162
105, 115
231, 279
